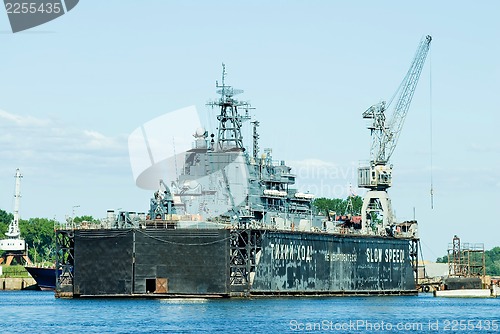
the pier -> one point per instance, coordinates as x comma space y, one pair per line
17, 283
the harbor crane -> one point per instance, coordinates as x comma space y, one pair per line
377, 177
14, 246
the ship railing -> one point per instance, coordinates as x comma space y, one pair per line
84, 226
156, 223
329, 229
406, 235
196, 224
180, 224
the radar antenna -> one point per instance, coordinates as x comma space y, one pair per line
230, 121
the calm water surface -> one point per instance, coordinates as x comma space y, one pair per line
40, 312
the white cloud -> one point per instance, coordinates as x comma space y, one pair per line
96, 140
24, 121
321, 169
43, 142
312, 163
325, 178
484, 147
155, 145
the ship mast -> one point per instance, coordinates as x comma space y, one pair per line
230, 121
255, 140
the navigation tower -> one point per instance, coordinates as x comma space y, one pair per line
230, 121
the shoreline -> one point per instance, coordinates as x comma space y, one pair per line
17, 283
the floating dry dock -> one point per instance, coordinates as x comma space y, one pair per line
160, 262
233, 225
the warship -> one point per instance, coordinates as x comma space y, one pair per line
232, 225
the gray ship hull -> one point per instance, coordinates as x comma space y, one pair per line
231, 262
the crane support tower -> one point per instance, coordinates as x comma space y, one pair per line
377, 176
14, 246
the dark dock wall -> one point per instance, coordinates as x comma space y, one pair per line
191, 261
176, 262
311, 262
103, 262
149, 261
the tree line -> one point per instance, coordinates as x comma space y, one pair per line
341, 207
491, 261
38, 233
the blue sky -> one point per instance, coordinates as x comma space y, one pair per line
73, 90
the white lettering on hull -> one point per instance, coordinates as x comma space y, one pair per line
291, 252
341, 257
385, 255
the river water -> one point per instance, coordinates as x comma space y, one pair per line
40, 312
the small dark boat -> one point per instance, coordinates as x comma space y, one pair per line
45, 277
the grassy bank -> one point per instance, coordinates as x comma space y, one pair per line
14, 271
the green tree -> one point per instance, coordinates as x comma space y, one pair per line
89, 219
443, 259
324, 205
491, 261
339, 206
357, 205
39, 235
5, 219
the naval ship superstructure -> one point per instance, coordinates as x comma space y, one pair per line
232, 224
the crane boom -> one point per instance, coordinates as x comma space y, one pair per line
407, 89
377, 177
385, 136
